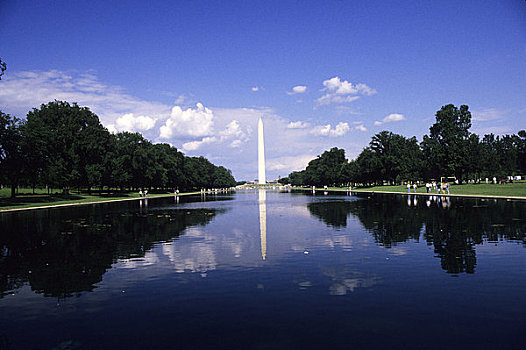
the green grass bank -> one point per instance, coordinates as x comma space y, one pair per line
26, 199
509, 190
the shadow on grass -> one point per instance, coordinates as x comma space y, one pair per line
44, 199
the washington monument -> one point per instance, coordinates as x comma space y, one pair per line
261, 154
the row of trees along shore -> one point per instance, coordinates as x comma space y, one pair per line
450, 150
64, 146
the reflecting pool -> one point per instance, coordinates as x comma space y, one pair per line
266, 270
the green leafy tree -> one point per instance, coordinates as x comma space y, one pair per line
12, 162
326, 169
400, 158
521, 150
508, 154
132, 162
284, 181
473, 157
489, 156
198, 172
501, 156
297, 178
169, 166
222, 178
446, 147
369, 167
350, 172
69, 141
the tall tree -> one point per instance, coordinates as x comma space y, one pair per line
446, 147
400, 158
369, 167
521, 150
70, 142
132, 160
222, 178
11, 154
489, 156
326, 169
297, 178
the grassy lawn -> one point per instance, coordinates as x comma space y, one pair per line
516, 189
25, 198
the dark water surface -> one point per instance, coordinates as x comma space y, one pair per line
266, 270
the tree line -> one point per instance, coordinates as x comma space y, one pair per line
449, 150
64, 146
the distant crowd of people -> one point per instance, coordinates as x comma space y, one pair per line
431, 187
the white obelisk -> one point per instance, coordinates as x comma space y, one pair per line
261, 154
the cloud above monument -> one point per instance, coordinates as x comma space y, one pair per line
298, 125
340, 129
342, 91
194, 122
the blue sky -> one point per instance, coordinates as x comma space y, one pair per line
199, 74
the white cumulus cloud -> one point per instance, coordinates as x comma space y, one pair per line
326, 130
197, 121
129, 122
193, 145
338, 91
394, 117
360, 127
255, 89
298, 125
21, 91
235, 144
233, 129
299, 89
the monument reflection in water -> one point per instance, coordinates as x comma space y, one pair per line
263, 221
266, 270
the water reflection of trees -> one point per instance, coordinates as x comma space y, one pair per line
333, 213
63, 253
452, 226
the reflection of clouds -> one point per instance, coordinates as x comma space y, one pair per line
347, 281
150, 258
236, 242
398, 251
332, 241
196, 257
290, 210
305, 284
350, 284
